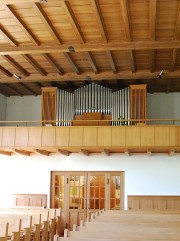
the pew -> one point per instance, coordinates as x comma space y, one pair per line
43, 224
128, 226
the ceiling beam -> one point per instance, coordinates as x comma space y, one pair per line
126, 20
27, 88
52, 63
39, 10
6, 36
27, 1
21, 24
92, 62
100, 20
74, 67
111, 61
176, 37
14, 89
5, 71
15, 65
106, 74
153, 22
34, 64
116, 45
67, 8
23, 152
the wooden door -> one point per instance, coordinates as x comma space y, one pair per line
79, 194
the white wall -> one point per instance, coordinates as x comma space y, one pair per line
3, 104
162, 105
144, 175
27, 108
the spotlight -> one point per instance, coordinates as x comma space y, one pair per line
71, 49
43, 1
17, 77
160, 74
88, 78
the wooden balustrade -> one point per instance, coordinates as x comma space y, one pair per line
99, 137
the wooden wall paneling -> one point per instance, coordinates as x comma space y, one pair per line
1, 131
133, 136
104, 136
161, 134
76, 136
153, 202
118, 136
48, 136
160, 204
35, 136
38, 200
21, 137
173, 203
173, 136
8, 137
90, 136
62, 136
146, 203
147, 135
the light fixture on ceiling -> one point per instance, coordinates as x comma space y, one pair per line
88, 78
160, 74
17, 77
43, 1
71, 49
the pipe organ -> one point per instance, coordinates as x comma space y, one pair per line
91, 98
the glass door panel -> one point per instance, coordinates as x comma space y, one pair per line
115, 192
96, 197
59, 191
77, 192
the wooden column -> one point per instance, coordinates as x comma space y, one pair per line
137, 103
49, 97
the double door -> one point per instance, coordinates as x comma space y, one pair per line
79, 194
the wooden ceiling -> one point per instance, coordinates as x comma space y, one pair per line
68, 44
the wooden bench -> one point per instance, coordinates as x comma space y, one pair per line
129, 226
43, 224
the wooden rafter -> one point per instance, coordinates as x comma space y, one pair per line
153, 20
111, 61
108, 75
176, 37
52, 63
100, 20
6, 35
67, 8
15, 65
5, 71
85, 152
27, 88
4, 93
47, 22
125, 14
34, 64
111, 46
23, 152
92, 62
74, 67
21, 24
14, 89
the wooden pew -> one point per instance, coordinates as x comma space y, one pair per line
129, 226
45, 223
